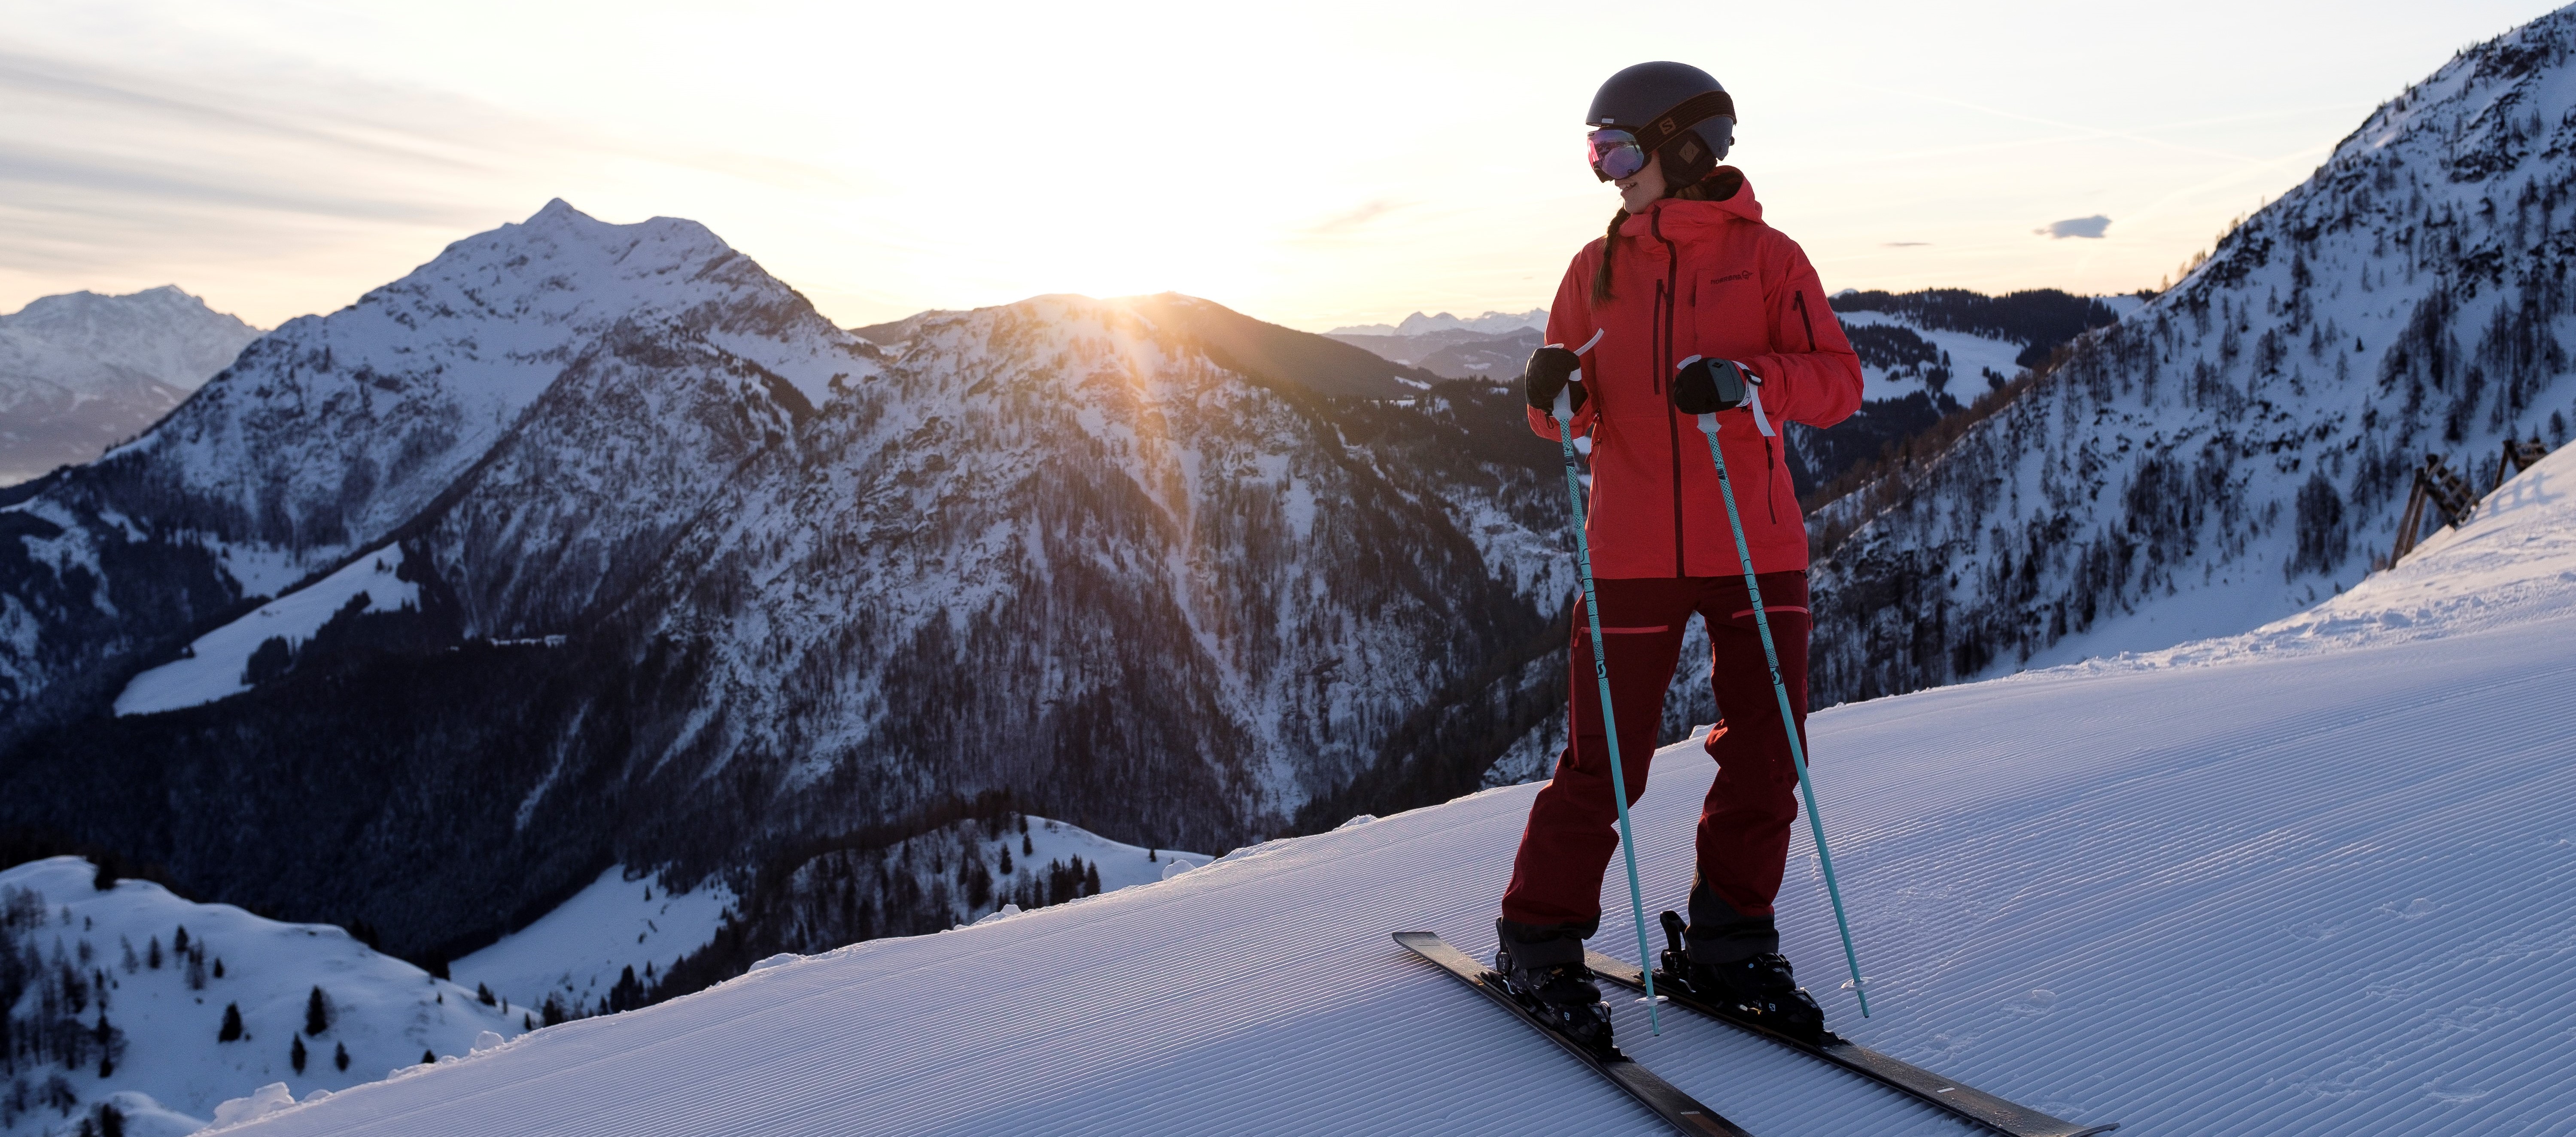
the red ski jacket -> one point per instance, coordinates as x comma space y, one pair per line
1703, 278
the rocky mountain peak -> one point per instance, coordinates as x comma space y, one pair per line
89, 344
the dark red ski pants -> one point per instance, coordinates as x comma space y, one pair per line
1744, 825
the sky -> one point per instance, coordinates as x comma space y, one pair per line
1314, 164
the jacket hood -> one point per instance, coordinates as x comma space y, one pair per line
1681, 218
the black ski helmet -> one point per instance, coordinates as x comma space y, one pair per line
1675, 110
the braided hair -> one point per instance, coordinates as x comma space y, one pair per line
1719, 185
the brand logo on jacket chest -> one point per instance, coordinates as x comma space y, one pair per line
1746, 274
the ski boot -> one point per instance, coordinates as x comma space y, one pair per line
1542, 969
1754, 986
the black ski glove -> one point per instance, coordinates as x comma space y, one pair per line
1546, 375
1703, 386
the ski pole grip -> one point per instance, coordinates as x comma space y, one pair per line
1564, 410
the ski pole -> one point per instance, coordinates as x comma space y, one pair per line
1788, 722
1564, 414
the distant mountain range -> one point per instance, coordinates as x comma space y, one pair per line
80, 372
1417, 324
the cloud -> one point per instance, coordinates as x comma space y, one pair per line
1905, 244
2091, 227
1353, 218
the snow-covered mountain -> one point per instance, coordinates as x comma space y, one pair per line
2242, 446
80, 371
591, 544
109, 993
2309, 880
1418, 324
330, 432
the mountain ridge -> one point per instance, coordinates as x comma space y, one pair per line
81, 371
2238, 447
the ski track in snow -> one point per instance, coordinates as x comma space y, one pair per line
2277, 885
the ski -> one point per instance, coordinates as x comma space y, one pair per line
1967, 1103
1676, 1108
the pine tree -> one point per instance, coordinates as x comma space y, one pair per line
152, 954
232, 1028
111, 1120
484, 994
295, 1053
340, 1055
1091, 879
111, 1044
179, 942
219, 967
317, 1013
428, 1059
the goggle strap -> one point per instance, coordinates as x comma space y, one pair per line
1688, 113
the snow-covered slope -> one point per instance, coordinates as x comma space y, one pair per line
1967, 358
161, 972
80, 371
2241, 447
2320, 879
579, 951
215, 665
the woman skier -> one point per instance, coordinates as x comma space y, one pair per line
1695, 301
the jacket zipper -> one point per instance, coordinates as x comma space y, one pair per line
1665, 296
1770, 480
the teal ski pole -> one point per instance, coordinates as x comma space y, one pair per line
1771, 654
1564, 414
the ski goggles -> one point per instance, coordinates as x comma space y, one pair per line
1614, 154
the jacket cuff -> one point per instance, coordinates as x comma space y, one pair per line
1541, 423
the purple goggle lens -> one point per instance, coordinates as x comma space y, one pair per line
1615, 154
